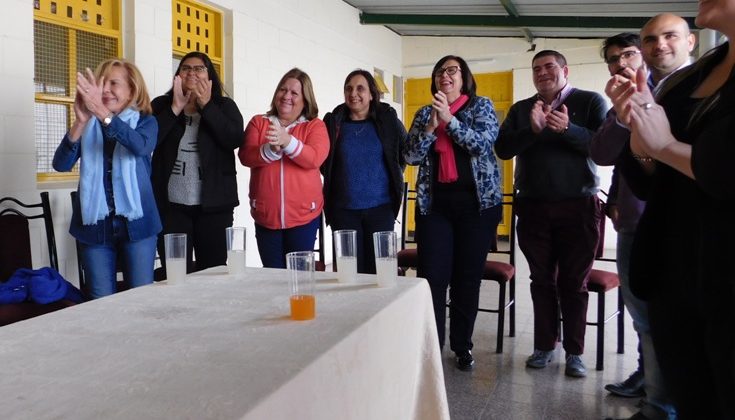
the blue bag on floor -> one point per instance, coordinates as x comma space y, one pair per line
13, 291
43, 286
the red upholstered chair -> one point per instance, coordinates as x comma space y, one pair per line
15, 252
600, 282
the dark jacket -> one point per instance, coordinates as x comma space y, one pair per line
220, 132
684, 238
392, 135
553, 166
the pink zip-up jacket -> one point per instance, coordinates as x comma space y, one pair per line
285, 188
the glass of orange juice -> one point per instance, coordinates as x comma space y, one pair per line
301, 270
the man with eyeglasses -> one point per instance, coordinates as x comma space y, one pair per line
667, 43
623, 57
556, 203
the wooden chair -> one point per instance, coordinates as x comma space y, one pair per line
15, 252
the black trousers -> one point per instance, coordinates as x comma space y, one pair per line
452, 242
205, 234
694, 338
365, 222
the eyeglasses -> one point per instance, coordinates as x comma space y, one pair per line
187, 68
451, 70
625, 55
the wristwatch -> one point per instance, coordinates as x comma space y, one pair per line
108, 120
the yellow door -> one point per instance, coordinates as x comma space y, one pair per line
496, 86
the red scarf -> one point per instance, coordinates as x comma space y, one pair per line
443, 145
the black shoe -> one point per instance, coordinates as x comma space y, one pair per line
464, 361
630, 388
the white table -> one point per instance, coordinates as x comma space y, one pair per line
218, 347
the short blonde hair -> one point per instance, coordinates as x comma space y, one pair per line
311, 110
139, 97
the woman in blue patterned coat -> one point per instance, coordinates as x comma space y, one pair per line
459, 197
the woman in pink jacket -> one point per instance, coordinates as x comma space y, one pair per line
284, 149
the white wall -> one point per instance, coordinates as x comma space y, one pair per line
486, 55
263, 40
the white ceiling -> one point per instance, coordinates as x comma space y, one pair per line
517, 18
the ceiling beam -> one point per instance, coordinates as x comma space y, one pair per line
528, 35
513, 12
509, 7
616, 22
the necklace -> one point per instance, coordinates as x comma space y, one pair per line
359, 128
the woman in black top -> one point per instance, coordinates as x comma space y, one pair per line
194, 164
680, 160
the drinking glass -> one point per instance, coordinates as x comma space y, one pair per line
175, 247
386, 262
301, 271
235, 250
345, 248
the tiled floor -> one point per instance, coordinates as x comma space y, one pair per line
501, 387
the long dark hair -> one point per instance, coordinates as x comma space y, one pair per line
469, 87
372, 85
217, 90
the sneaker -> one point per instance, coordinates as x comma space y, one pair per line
575, 368
464, 361
539, 359
629, 388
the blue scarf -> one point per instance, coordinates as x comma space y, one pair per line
124, 179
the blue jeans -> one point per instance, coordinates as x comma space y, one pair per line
365, 222
100, 262
656, 395
274, 244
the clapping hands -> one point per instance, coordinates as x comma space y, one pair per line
542, 116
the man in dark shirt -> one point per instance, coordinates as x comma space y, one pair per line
667, 43
557, 207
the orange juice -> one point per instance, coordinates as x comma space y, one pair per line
303, 307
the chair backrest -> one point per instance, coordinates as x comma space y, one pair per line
15, 246
80, 266
408, 195
508, 204
600, 253
320, 264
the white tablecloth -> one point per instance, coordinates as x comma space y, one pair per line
218, 347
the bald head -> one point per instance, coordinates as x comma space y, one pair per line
666, 43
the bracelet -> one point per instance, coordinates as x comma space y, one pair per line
642, 159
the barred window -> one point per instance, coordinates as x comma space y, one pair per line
69, 36
196, 27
